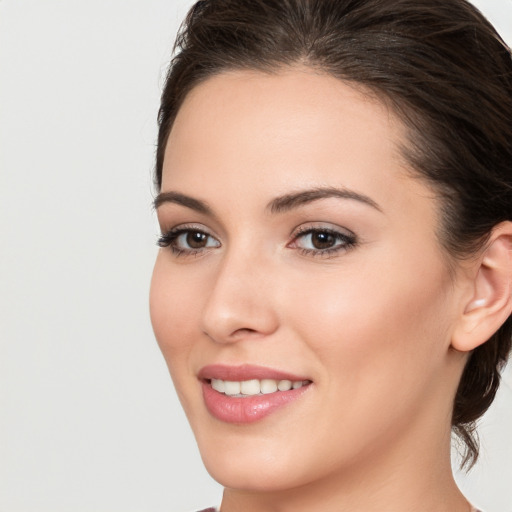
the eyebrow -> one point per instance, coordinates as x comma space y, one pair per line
296, 199
183, 200
279, 204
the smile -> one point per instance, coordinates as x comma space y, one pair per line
246, 394
253, 387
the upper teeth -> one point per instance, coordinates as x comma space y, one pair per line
254, 386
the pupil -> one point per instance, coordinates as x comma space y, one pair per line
322, 240
196, 240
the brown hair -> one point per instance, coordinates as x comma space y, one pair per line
446, 73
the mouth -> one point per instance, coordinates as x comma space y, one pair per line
254, 387
246, 394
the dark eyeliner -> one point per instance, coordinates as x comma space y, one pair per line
168, 240
348, 241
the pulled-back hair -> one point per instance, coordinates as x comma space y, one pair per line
446, 74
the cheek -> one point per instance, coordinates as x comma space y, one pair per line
173, 310
379, 340
390, 320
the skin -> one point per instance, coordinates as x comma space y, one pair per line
371, 324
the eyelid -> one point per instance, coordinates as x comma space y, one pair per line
168, 237
191, 226
169, 225
347, 237
321, 226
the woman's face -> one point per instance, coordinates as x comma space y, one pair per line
299, 251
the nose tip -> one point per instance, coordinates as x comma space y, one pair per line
240, 306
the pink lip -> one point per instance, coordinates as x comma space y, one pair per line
243, 410
245, 372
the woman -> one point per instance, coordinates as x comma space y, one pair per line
334, 289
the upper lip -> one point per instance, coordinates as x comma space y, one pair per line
245, 372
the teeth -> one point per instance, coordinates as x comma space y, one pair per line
268, 386
218, 385
250, 387
284, 385
254, 386
231, 388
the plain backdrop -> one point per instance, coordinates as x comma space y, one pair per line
89, 421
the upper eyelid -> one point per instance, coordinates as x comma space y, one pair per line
298, 231
168, 224
179, 229
321, 226
189, 227
344, 237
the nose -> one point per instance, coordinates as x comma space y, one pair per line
241, 302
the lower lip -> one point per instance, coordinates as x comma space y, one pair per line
249, 409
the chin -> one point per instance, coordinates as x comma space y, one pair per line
251, 463
249, 475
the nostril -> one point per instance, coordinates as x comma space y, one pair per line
245, 331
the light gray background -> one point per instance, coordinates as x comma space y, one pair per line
88, 418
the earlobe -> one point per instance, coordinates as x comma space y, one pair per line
490, 303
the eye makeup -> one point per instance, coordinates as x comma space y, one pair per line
187, 240
315, 241
322, 241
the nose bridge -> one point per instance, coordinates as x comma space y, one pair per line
240, 301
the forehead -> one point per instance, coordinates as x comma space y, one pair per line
249, 131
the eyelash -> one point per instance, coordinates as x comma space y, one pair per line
348, 241
169, 240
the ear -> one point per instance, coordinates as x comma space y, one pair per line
490, 302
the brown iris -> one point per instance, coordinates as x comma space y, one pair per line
322, 240
196, 239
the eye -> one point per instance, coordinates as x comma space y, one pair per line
322, 241
193, 240
185, 240
319, 240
